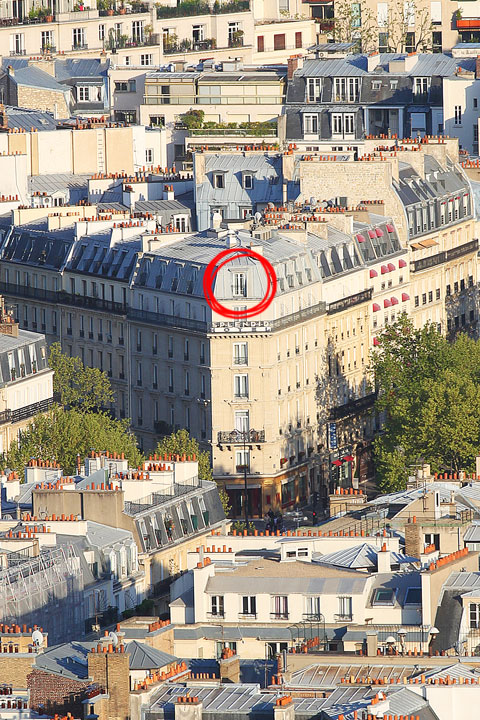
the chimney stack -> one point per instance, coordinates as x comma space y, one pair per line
293, 63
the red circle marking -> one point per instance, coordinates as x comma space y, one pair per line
211, 272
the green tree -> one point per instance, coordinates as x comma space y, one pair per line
180, 443
62, 434
225, 500
78, 385
429, 392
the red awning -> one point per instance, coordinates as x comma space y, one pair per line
379, 232
402, 263
394, 301
375, 341
390, 228
348, 458
361, 238
372, 234
451, 199
373, 273
384, 269
337, 463
386, 303
391, 267
376, 307
405, 297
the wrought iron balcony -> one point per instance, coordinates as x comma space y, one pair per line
237, 437
353, 407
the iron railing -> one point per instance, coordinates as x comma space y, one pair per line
236, 437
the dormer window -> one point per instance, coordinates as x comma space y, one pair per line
219, 181
248, 181
377, 85
347, 89
314, 89
240, 284
421, 85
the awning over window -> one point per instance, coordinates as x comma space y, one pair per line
375, 341
348, 458
394, 301
384, 269
376, 307
405, 297
402, 263
372, 234
379, 232
337, 463
427, 243
361, 238
391, 267
373, 273
390, 227
387, 303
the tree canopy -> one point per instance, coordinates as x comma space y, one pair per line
180, 443
429, 390
77, 385
62, 434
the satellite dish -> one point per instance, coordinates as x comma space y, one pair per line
113, 638
37, 638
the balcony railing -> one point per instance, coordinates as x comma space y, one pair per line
17, 53
279, 616
237, 437
235, 132
80, 46
188, 9
343, 617
30, 410
353, 407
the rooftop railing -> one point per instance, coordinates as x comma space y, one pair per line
188, 9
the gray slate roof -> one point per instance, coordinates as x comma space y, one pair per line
361, 556
144, 657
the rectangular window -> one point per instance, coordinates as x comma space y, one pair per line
219, 181
345, 608
458, 115
347, 89
260, 43
240, 284
314, 90
421, 85
313, 607
343, 124
382, 14
83, 93
279, 607
248, 182
279, 42
146, 59
240, 354
78, 38
298, 40
310, 124
383, 42
242, 461
101, 32
217, 605
241, 386
47, 40
249, 605
474, 616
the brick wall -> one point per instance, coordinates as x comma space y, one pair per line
111, 670
56, 694
14, 669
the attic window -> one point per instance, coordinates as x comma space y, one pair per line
219, 181
383, 596
376, 85
413, 596
393, 84
248, 182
